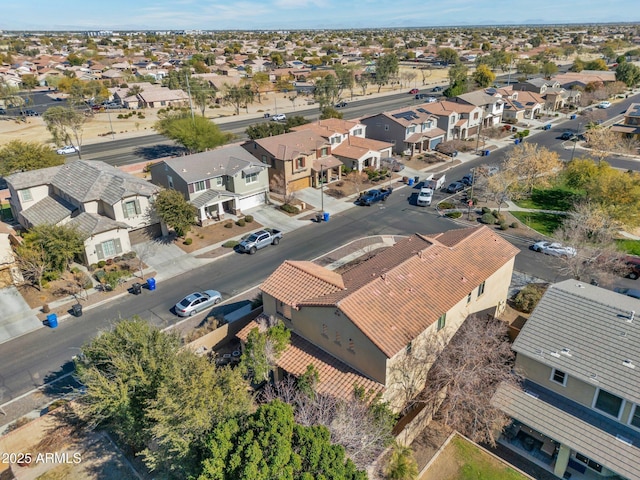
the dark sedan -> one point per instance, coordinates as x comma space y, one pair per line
455, 187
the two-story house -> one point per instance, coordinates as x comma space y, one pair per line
357, 327
295, 158
349, 143
630, 126
492, 108
555, 94
458, 120
111, 209
413, 129
518, 104
226, 179
579, 411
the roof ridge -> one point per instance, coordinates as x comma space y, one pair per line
300, 264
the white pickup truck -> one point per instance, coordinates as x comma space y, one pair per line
260, 239
424, 197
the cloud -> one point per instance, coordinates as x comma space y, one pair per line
293, 4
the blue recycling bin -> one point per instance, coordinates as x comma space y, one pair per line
517, 141
573, 116
151, 283
487, 153
52, 320
410, 182
325, 216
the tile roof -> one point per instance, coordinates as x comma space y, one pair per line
446, 107
50, 210
91, 224
592, 323
397, 294
228, 160
325, 162
328, 127
290, 145
335, 378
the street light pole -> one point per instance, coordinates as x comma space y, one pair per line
322, 188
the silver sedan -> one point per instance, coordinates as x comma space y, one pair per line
196, 302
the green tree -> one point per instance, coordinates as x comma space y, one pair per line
527, 68
195, 134
401, 464
448, 55
549, 69
457, 81
330, 112
19, 156
201, 93
259, 81
386, 67
346, 78
174, 210
270, 129
29, 81
628, 73
66, 126
61, 244
483, 76
597, 64
326, 91
263, 347
269, 444
363, 82
237, 96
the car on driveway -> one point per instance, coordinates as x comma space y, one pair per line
554, 249
341, 104
629, 292
197, 302
455, 187
413, 91
392, 164
66, 150
604, 104
278, 117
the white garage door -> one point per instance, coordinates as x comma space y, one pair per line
251, 201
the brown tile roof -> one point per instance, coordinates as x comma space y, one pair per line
323, 163
294, 281
327, 127
289, 145
335, 378
446, 107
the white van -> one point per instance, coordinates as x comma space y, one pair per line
424, 197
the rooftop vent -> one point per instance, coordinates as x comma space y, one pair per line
632, 316
628, 363
184, 170
555, 354
566, 351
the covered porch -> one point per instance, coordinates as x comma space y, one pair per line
325, 170
213, 206
424, 141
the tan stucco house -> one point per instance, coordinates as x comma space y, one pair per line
111, 209
356, 327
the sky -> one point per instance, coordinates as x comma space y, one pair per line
304, 14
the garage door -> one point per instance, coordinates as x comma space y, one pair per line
300, 183
434, 143
251, 201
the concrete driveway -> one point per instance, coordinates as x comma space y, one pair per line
17, 317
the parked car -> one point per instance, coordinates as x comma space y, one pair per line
341, 104
468, 179
455, 187
629, 292
31, 113
424, 197
604, 104
113, 105
392, 164
197, 302
67, 149
2, 111
278, 117
260, 239
554, 249
373, 196
437, 89
568, 135
420, 96
413, 91
431, 99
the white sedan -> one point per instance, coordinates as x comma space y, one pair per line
554, 249
66, 150
604, 104
424, 197
278, 117
196, 302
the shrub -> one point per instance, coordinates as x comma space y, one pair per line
21, 422
445, 205
240, 222
230, 244
109, 261
527, 298
101, 263
503, 226
514, 225
256, 302
93, 266
129, 255
488, 219
486, 210
188, 241
99, 274
228, 225
453, 214
289, 208
117, 259
248, 218
83, 279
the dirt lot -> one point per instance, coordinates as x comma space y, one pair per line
214, 234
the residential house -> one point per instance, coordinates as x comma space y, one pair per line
518, 104
111, 209
457, 120
413, 129
223, 180
556, 95
579, 412
295, 158
492, 107
358, 326
630, 126
585, 77
349, 143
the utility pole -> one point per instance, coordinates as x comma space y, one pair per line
190, 103
110, 124
322, 188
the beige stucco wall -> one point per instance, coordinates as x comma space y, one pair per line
91, 242
37, 194
237, 183
136, 221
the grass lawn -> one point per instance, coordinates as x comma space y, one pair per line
462, 460
556, 198
632, 247
544, 223
5, 213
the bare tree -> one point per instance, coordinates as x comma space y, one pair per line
33, 262
468, 371
143, 252
500, 184
426, 73
357, 179
534, 166
591, 232
602, 141
279, 185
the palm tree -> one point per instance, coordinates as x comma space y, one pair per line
402, 465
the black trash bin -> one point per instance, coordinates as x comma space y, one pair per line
136, 288
416, 179
77, 310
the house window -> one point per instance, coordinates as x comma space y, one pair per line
476, 115
325, 330
300, 162
252, 178
442, 321
283, 310
108, 249
170, 181
357, 132
337, 340
131, 208
199, 186
324, 152
469, 297
218, 182
559, 376
635, 418
264, 159
608, 403
481, 288
352, 346
590, 463
26, 195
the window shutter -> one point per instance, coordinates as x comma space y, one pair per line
124, 209
138, 211
99, 251
118, 245
191, 188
